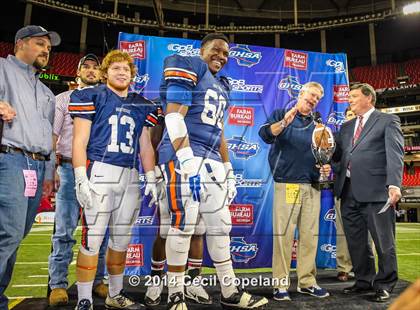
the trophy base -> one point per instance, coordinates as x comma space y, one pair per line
327, 184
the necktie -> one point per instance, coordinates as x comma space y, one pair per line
358, 130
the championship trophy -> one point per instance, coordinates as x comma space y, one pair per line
323, 147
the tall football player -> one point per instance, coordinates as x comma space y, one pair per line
196, 160
110, 130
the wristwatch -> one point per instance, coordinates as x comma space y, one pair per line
283, 123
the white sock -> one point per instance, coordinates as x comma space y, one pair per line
226, 276
84, 291
175, 282
115, 284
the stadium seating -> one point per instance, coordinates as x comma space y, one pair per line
411, 176
412, 69
380, 76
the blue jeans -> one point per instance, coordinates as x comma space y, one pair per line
67, 212
17, 212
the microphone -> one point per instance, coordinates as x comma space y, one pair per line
317, 117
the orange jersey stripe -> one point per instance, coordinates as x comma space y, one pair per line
81, 108
181, 74
172, 190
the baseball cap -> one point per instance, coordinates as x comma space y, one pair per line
37, 31
88, 57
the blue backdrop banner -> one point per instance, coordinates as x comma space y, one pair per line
262, 79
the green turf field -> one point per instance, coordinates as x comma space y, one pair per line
31, 271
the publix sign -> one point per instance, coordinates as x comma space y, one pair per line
50, 77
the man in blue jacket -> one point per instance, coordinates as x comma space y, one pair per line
296, 201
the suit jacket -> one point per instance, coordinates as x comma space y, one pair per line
376, 157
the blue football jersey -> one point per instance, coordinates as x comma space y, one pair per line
210, 98
117, 123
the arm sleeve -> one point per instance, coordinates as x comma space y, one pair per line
82, 104
181, 76
265, 131
154, 115
394, 146
60, 110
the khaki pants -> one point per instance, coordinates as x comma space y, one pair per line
343, 256
287, 213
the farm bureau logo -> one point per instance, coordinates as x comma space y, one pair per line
337, 65
244, 56
139, 83
241, 86
136, 49
241, 251
184, 50
291, 84
336, 118
242, 149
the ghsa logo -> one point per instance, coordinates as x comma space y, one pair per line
242, 149
336, 118
291, 84
330, 216
337, 65
241, 251
184, 50
139, 83
244, 56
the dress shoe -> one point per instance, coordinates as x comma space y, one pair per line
381, 296
58, 297
342, 276
356, 290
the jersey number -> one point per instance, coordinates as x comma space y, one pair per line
124, 147
214, 106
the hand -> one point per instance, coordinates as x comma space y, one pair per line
7, 113
325, 171
409, 299
195, 187
47, 188
83, 188
160, 184
290, 116
394, 194
190, 171
56, 181
231, 182
151, 187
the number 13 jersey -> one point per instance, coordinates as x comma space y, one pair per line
117, 123
207, 98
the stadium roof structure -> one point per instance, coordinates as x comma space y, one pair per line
233, 16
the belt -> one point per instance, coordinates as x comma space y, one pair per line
34, 156
62, 159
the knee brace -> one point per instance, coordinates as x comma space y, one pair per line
177, 246
218, 247
89, 261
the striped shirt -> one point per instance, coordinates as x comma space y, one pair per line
63, 124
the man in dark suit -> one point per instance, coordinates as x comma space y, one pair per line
370, 157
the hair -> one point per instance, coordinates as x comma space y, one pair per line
366, 90
117, 56
15, 48
308, 85
214, 36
